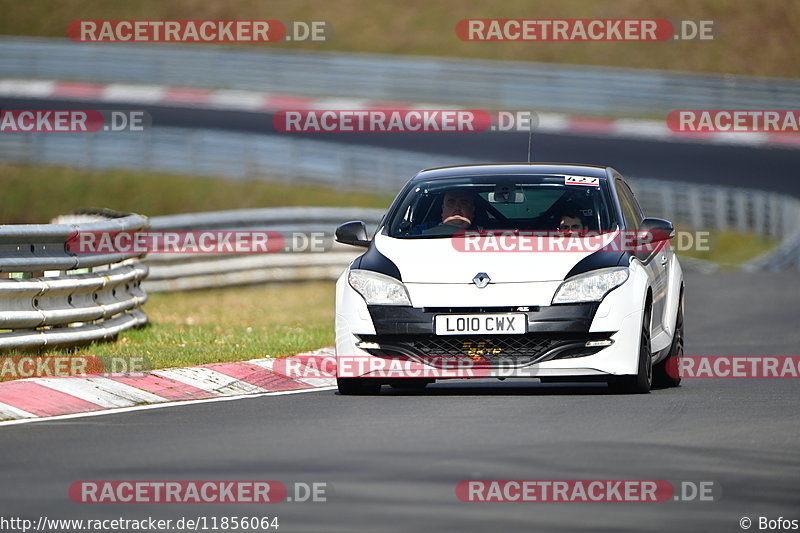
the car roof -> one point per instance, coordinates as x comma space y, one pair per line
511, 168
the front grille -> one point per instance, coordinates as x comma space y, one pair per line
493, 350
479, 310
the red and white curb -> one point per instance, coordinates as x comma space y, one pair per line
255, 101
34, 398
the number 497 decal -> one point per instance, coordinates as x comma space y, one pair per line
582, 180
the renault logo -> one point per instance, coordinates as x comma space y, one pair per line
481, 280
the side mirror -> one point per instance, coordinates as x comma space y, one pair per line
354, 233
655, 230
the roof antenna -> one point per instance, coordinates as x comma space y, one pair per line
530, 137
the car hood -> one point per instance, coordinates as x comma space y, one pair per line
444, 260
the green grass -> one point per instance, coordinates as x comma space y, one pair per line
34, 195
730, 249
235, 324
756, 37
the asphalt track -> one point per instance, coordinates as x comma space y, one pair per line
392, 461
773, 169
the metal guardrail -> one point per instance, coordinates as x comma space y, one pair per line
176, 272
227, 154
763, 213
702, 207
68, 299
40, 247
76, 299
492, 84
784, 257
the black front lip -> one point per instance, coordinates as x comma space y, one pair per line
565, 318
501, 351
390, 349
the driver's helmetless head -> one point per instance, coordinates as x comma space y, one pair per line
571, 224
458, 208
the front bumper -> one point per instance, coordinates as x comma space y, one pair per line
554, 332
555, 345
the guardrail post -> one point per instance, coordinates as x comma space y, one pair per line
694, 194
720, 208
760, 206
740, 210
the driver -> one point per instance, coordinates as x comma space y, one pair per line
458, 212
458, 208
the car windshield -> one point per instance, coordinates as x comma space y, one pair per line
441, 207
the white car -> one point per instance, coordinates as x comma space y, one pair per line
545, 271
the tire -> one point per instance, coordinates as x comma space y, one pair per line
642, 381
358, 386
661, 371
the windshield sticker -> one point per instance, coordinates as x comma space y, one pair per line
581, 180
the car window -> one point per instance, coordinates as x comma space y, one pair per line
535, 203
635, 202
630, 209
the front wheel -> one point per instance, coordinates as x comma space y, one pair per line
640, 382
665, 373
358, 386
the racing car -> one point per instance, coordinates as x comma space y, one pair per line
533, 270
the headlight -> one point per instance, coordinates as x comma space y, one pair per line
378, 289
590, 287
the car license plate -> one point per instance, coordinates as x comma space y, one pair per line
507, 324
